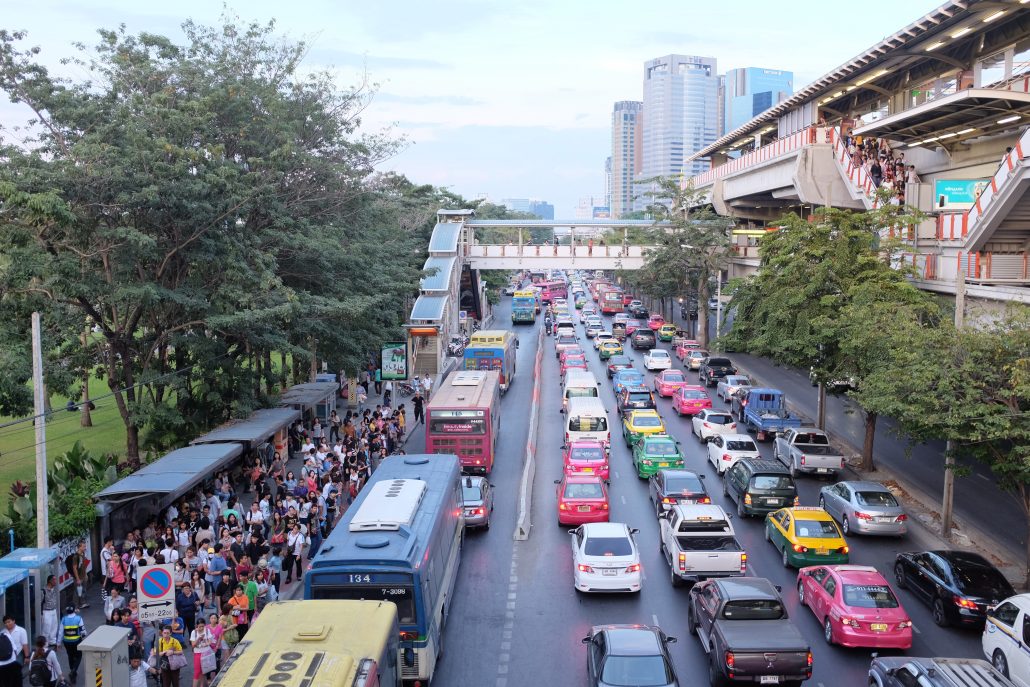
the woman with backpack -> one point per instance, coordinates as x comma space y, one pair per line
44, 668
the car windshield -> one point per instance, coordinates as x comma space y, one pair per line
647, 421
659, 354
869, 596
608, 546
640, 397
661, 448
694, 394
876, 498
683, 485
636, 671
815, 528
590, 490
741, 445
674, 377
772, 482
719, 362
470, 494
587, 453
753, 609
738, 381
718, 419
980, 579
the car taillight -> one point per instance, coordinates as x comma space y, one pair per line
964, 603
843, 549
802, 459
863, 516
480, 511
609, 437
901, 518
705, 499
584, 568
706, 425
604, 506
566, 437
408, 636
633, 568
849, 621
904, 624
797, 501
842, 462
743, 562
666, 500
732, 425
747, 499
798, 548
809, 659
562, 506
730, 661
683, 561
726, 457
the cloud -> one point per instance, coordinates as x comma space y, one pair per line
458, 100
337, 57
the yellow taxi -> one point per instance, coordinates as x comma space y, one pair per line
806, 535
609, 348
667, 331
638, 423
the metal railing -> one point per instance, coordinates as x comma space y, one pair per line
770, 151
481, 250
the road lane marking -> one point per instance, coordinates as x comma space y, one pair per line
623, 500
616, 474
916, 630
654, 617
983, 477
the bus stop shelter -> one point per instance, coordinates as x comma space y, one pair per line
37, 564
313, 399
144, 493
15, 595
270, 424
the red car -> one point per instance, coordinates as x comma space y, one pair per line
855, 605
575, 350
690, 400
684, 349
627, 299
573, 361
668, 381
655, 322
632, 326
581, 499
586, 458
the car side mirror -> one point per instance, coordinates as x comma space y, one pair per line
634, 530
778, 587
670, 640
563, 446
585, 640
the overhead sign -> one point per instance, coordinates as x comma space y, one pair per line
958, 194
156, 593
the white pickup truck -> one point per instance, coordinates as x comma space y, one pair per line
699, 543
807, 449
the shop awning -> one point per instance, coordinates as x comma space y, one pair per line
174, 474
259, 426
948, 119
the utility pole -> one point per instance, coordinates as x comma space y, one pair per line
948, 499
718, 303
39, 397
820, 411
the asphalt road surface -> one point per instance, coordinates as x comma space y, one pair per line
517, 619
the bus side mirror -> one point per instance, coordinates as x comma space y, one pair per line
557, 481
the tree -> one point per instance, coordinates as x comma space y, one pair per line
692, 244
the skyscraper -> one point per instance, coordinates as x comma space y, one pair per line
627, 141
681, 115
750, 91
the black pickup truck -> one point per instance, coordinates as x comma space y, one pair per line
746, 632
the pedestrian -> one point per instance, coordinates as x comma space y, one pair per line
51, 597
168, 657
334, 426
187, 604
417, 403
379, 382
76, 566
114, 602
239, 609
14, 649
317, 432
115, 573
44, 668
295, 541
204, 662
427, 384
73, 631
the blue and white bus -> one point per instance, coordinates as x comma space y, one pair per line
401, 542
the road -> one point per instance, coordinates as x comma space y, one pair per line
517, 619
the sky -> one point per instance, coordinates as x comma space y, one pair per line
500, 99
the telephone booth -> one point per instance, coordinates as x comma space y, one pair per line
38, 564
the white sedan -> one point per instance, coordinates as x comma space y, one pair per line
729, 384
605, 558
657, 359
724, 450
601, 337
709, 422
593, 328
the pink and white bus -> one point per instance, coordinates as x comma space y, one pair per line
464, 417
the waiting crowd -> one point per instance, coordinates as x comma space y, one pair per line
885, 168
229, 559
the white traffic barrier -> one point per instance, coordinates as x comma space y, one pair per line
522, 523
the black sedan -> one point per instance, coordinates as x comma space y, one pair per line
619, 362
629, 655
958, 586
668, 488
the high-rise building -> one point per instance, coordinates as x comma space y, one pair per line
681, 115
750, 91
608, 181
626, 159
541, 209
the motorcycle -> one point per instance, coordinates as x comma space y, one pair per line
456, 347
407, 389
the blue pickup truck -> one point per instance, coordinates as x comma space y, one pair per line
765, 411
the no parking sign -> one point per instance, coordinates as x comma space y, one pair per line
156, 593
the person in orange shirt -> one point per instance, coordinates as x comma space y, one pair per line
240, 609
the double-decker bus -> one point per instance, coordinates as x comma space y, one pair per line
323, 643
492, 349
549, 290
524, 306
464, 417
400, 541
611, 302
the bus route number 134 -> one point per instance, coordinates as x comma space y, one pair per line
358, 579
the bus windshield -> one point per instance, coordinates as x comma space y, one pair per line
401, 594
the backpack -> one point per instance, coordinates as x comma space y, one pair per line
6, 648
39, 671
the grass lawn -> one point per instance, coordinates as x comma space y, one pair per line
18, 442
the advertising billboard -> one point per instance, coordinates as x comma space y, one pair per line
957, 194
394, 360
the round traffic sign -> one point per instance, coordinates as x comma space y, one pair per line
155, 583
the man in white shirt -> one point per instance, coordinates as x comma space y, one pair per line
427, 384
10, 670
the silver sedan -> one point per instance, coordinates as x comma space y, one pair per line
729, 384
864, 508
478, 497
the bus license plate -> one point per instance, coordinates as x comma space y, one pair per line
878, 627
584, 509
769, 679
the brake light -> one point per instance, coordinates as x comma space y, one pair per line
566, 437
842, 462
726, 457
584, 568
802, 459
863, 516
609, 438
902, 518
683, 561
480, 511
904, 624
964, 603
666, 500
562, 506
633, 568
849, 621
844, 549
408, 636
747, 499
743, 562
797, 501
705, 499
798, 548
730, 660
604, 506
809, 659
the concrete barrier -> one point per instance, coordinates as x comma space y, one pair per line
522, 522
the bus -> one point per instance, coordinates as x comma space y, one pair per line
597, 289
537, 277
611, 302
318, 643
400, 541
492, 349
549, 290
524, 306
464, 417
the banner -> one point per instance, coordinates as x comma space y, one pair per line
394, 360
65, 548
957, 194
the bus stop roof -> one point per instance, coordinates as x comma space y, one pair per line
10, 577
309, 394
259, 426
28, 558
174, 474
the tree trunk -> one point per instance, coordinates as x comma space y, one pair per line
314, 360
85, 419
284, 367
121, 381
269, 376
867, 444
259, 359
1025, 493
702, 307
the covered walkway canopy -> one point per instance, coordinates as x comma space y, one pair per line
169, 477
445, 238
261, 425
950, 118
443, 268
429, 308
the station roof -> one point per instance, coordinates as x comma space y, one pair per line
308, 394
949, 37
444, 270
429, 308
259, 426
10, 577
445, 237
173, 474
976, 111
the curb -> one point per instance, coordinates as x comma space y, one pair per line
522, 522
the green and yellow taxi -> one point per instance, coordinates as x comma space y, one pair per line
654, 452
637, 424
609, 348
806, 536
581, 300
667, 331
